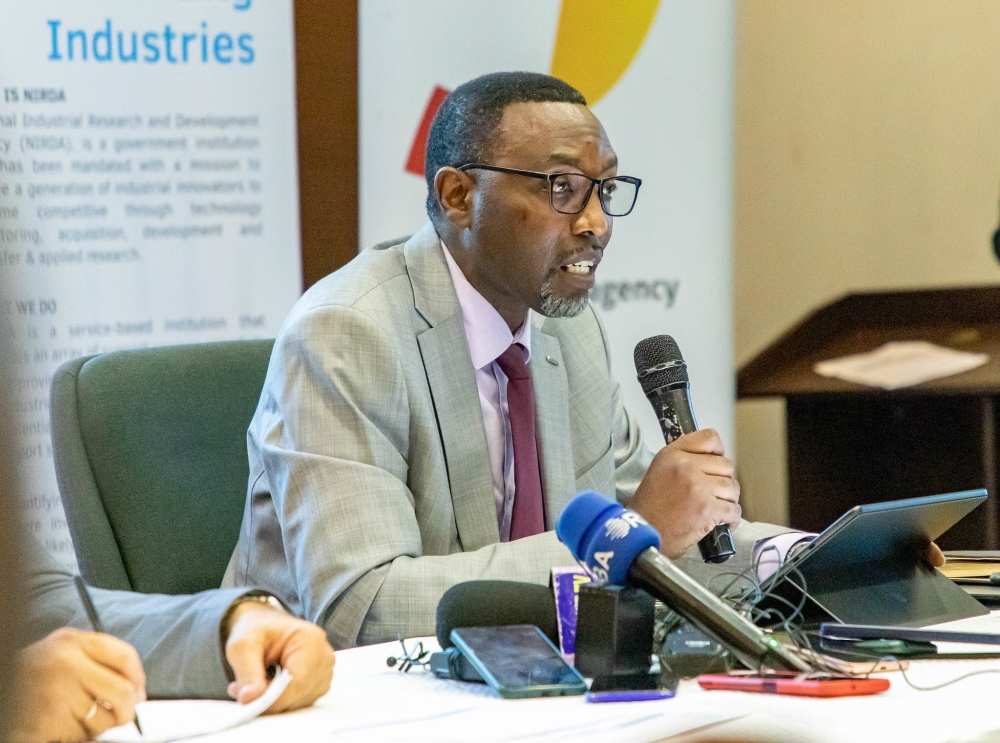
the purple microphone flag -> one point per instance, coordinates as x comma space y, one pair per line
566, 583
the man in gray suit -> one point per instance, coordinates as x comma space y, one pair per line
74, 684
431, 407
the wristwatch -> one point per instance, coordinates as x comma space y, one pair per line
225, 624
256, 597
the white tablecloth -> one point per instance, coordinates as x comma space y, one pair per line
373, 703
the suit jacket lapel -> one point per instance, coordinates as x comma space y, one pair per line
548, 376
452, 381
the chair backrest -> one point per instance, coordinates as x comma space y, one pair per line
151, 460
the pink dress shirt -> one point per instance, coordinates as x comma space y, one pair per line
488, 337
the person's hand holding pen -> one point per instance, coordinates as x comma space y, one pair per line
74, 685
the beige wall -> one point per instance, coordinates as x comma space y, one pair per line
867, 157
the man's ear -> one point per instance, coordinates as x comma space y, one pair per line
454, 194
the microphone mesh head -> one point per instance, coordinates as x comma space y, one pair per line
660, 349
496, 603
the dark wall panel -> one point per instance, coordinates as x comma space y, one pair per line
326, 60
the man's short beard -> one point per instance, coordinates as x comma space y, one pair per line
555, 306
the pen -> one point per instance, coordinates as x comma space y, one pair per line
88, 605
96, 623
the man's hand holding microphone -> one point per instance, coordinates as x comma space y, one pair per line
688, 490
689, 478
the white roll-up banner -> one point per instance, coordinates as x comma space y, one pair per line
659, 76
148, 191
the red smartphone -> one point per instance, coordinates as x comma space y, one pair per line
797, 687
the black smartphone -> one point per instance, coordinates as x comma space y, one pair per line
518, 661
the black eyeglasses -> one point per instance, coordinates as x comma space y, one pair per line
570, 192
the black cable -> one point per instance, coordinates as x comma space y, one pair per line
748, 600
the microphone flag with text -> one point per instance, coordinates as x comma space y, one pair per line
618, 546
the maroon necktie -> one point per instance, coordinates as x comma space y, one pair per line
528, 515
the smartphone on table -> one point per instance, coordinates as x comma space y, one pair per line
833, 687
518, 661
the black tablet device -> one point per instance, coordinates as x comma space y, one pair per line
868, 568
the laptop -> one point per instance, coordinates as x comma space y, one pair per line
867, 567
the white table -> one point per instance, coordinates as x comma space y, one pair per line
374, 703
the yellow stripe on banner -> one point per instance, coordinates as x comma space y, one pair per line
597, 41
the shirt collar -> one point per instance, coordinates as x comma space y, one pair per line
485, 330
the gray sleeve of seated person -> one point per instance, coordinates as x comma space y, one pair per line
177, 637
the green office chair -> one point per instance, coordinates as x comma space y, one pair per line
151, 459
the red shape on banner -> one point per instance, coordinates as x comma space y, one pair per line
418, 150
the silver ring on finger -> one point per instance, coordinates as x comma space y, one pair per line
94, 706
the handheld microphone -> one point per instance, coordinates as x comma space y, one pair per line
618, 546
663, 375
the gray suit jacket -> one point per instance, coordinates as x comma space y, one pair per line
370, 487
177, 637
